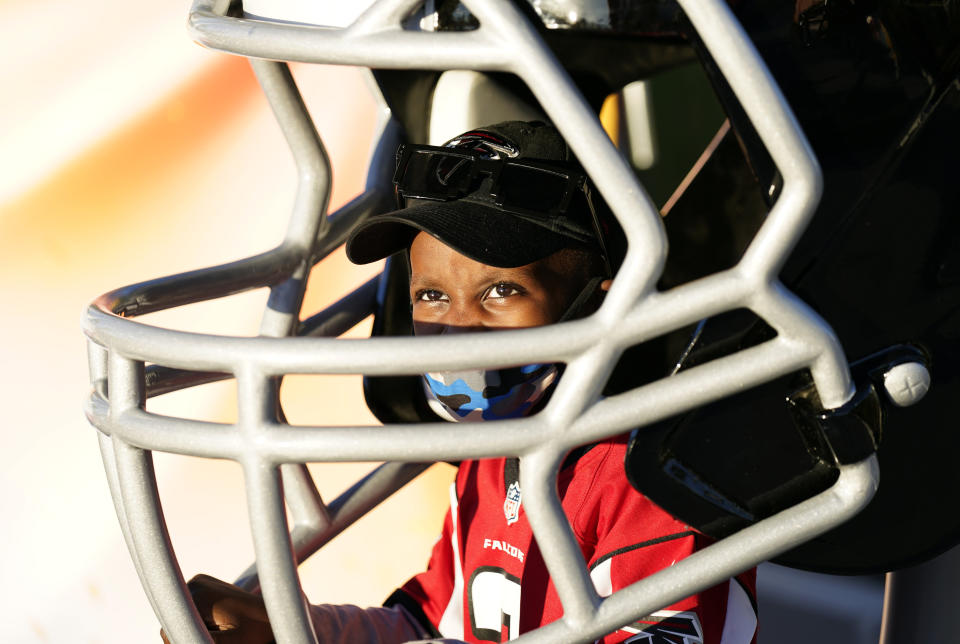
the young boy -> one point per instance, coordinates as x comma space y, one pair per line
500, 232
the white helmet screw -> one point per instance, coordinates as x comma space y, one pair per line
907, 383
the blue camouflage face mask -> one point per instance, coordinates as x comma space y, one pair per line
477, 394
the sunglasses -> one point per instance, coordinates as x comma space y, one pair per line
517, 185
522, 186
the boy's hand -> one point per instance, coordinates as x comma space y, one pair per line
231, 615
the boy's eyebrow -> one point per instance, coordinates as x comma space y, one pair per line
480, 278
418, 282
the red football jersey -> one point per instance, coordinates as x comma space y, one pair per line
487, 581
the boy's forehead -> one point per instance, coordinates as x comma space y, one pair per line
430, 258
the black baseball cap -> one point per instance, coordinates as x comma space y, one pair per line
512, 233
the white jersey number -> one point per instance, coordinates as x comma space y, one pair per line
494, 600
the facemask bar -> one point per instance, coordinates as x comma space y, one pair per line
632, 312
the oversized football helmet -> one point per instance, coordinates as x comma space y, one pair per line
789, 293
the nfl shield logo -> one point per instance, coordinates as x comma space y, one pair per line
511, 505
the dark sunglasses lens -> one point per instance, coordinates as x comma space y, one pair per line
435, 175
529, 188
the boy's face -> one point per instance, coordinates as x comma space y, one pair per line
452, 293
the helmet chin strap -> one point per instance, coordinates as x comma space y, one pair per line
577, 308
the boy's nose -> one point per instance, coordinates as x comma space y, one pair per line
458, 328
455, 321
462, 319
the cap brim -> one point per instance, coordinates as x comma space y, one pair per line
482, 233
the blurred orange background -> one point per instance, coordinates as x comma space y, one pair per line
130, 153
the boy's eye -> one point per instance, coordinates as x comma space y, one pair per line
430, 295
503, 290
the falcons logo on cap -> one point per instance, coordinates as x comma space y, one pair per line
494, 147
666, 627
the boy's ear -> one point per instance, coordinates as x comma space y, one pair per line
606, 284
